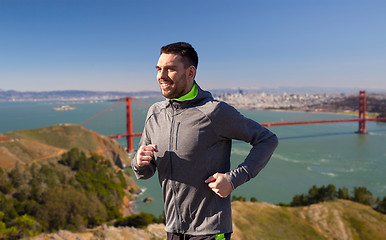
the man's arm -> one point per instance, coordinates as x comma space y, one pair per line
230, 124
142, 164
256, 160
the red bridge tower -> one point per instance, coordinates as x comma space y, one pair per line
362, 112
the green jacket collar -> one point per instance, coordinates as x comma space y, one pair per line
190, 95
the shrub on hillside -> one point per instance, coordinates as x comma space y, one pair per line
140, 220
238, 198
253, 199
381, 207
361, 195
316, 195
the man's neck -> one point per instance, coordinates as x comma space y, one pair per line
190, 95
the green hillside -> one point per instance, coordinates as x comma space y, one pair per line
74, 193
338, 220
33, 145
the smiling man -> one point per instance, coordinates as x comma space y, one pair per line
188, 139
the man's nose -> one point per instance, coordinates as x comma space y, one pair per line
163, 74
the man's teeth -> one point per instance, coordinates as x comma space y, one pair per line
165, 84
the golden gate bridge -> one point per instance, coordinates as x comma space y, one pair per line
129, 135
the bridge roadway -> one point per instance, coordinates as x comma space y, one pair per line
284, 123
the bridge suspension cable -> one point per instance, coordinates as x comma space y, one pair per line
106, 110
141, 102
129, 125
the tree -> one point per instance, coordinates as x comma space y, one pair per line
27, 226
313, 195
5, 183
72, 157
23, 192
16, 175
343, 193
299, 200
7, 207
63, 208
6, 232
329, 192
364, 196
322, 194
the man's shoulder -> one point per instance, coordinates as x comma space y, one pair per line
213, 107
208, 101
157, 107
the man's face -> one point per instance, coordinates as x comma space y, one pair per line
174, 79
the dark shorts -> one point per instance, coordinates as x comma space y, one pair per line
180, 236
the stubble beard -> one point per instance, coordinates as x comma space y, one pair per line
176, 90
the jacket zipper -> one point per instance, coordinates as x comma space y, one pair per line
171, 172
176, 135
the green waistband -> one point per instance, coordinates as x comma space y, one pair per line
220, 236
190, 95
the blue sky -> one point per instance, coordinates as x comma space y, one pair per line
114, 44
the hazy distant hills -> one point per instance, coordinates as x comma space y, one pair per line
296, 90
12, 95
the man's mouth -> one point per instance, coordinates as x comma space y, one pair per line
165, 84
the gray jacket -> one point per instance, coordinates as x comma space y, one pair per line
194, 141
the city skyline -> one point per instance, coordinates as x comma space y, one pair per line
114, 45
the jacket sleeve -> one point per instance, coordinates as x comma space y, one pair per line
147, 171
231, 124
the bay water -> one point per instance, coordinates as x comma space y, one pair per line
307, 155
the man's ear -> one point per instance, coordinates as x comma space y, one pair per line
191, 72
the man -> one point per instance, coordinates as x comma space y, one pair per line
188, 138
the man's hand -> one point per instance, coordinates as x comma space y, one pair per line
220, 184
145, 154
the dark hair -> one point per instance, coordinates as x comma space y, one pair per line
185, 50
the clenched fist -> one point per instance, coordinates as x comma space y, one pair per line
145, 154
220, 184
